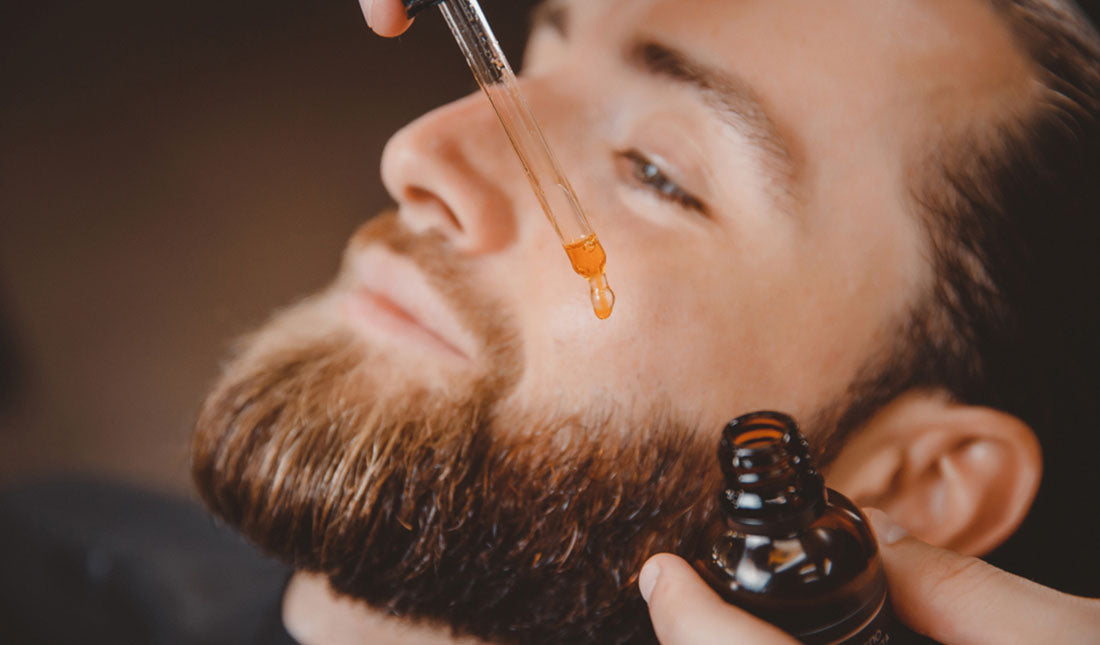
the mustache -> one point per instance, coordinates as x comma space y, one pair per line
430, 251
450, 274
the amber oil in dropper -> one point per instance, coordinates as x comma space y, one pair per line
548, 182
588, 259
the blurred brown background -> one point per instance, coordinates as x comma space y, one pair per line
169, 174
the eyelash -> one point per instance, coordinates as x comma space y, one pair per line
650, 175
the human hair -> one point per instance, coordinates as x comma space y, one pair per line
1011, 213
1009, 203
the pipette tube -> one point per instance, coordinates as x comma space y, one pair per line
552, 190
495, 76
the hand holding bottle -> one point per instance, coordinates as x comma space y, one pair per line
949, 597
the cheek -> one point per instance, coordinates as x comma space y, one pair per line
709, 333
671, 336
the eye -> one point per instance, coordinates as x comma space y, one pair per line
648, 174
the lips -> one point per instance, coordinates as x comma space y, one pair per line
392, 297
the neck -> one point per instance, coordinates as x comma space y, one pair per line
314, 614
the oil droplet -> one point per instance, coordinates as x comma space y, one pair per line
603, 298
588, 259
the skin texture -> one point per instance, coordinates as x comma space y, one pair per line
778, 283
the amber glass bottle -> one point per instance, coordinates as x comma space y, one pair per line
786, 548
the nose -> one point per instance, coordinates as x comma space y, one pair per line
451, 172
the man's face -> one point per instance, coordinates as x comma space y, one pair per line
746, 165
450, 419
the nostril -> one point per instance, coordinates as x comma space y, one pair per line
431, 205
447, 175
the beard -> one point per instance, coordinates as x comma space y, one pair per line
441, 504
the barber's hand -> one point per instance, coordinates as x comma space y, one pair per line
949, 597
385, 17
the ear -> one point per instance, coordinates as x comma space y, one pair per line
957, 476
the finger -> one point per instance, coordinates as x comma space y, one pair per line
385, 17
959, 599
685, 611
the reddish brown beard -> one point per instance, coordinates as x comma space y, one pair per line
445, 509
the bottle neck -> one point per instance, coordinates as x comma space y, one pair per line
772, 487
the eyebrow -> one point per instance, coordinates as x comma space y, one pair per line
735, 101
732, 97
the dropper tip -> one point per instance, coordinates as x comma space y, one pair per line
603, 298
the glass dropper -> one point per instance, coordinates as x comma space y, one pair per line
552, 189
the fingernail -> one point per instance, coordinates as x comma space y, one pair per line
886, 529
368, 11
647, 579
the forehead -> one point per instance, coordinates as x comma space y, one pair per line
870, 35
866, 63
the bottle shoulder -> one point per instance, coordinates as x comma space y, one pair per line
835, 549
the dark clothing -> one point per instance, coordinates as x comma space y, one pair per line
94, 562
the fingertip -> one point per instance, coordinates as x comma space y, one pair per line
663, 569
664, 579
669, 591
386, 18
685, 611
647, 579
886, 529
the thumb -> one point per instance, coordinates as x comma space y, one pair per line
685, 611
959, 599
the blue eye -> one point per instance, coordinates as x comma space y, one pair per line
650, 175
